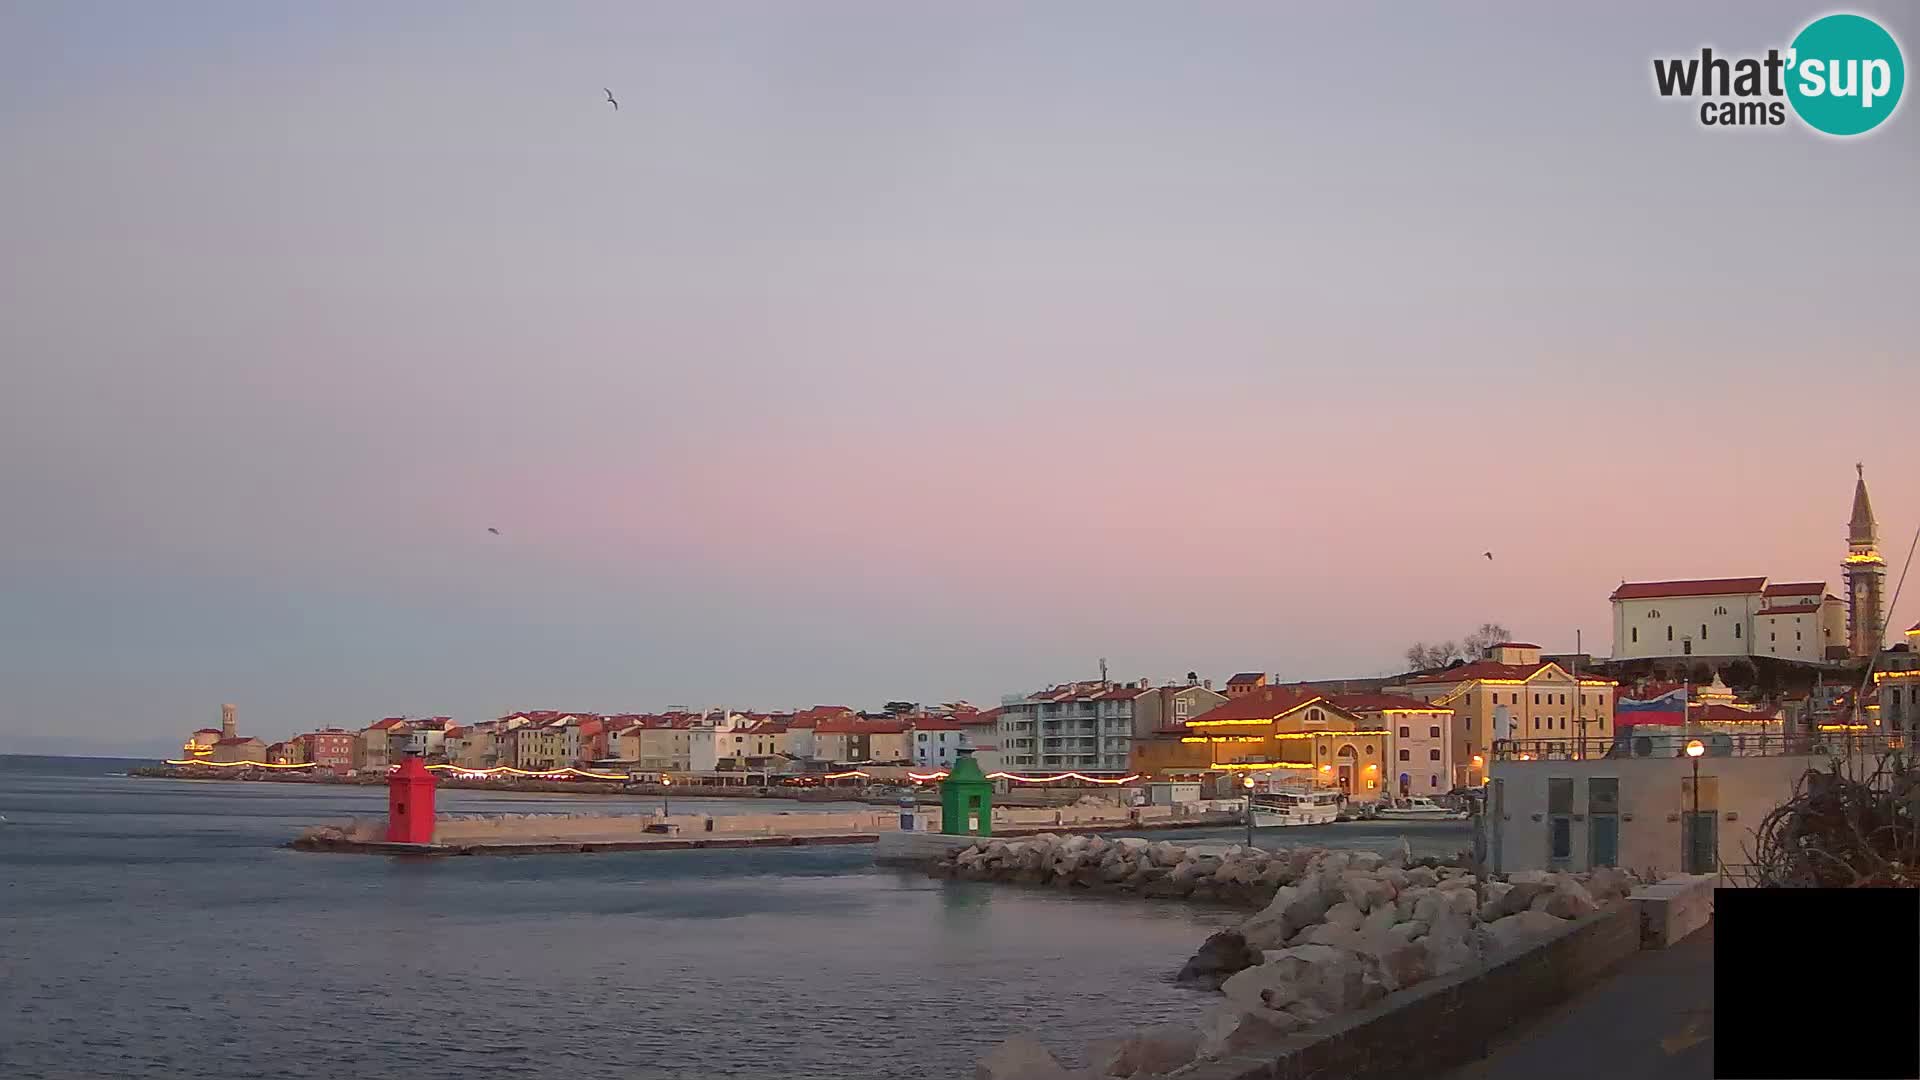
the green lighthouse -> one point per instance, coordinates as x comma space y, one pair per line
966, 798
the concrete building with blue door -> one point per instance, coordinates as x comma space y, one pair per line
1638, 808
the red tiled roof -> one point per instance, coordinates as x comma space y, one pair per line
1246, 677
236, 740
388, 724
1795, 588
1914, 629
1380, 702
1789, 609
1515, 645
1648, 590
1481, 669
1263, 704
807, 718
854, 726
1121, 693
207, 731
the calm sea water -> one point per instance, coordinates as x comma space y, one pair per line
155, 928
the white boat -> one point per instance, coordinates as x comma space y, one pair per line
1419, 809
1276, 809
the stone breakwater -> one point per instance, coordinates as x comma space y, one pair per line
1233, 875
1338, 931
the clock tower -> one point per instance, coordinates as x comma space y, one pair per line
1866, 575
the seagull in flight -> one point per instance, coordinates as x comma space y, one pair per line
1488, 554
610, 100
493, 530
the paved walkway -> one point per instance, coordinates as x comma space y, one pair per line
1652, 1019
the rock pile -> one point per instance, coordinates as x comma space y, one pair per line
1340, 931
1234, 875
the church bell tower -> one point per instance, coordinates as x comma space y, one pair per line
1866, 575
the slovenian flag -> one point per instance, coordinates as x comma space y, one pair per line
1669, 709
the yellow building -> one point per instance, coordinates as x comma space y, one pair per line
657, 748
535, 747
1275, 730
200, 743
1536, 699
239, 749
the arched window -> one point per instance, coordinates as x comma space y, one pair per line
1736, 631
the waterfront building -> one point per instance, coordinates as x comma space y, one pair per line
1275, 731
1512, 693
281, 753
851, 739
200, 743
801, 729
1897, 678
1548, 810
372, 749
1090, 726
936, 741
330, 749
423, 738
472, 746
535, 747
1422, 760
238, 748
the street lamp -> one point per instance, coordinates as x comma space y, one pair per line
666, 808
1248, 784
1695, 748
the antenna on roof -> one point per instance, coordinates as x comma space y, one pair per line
1103, 669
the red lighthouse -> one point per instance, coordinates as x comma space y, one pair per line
410, 803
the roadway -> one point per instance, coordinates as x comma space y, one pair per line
1652, 1018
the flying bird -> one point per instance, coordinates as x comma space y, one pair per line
610, 100
493, 530
1488, 554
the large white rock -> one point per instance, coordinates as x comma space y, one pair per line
1365, 891
1020, 1058
1423, 876
1366, 860
1609, 883
1133, 843
1338, 937
1230, 1029
1517, 931
1401, 964
1345, 915
1568, 900
1154, 1050
1261, 987
1381, 919
1536, 877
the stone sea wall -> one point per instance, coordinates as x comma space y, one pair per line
1336, 933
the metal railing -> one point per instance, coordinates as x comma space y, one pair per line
1673, 743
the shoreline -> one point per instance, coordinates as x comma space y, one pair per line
540, 787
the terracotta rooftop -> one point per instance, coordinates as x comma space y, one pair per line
1514, 645
1649, 590
1246, 677
1795, 588
1788, 609
1262, 704
1380, 702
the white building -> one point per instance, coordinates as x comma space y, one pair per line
1423, 741
1726, 617
935, 741
1081, 727
1561, 813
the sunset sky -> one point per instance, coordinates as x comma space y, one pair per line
898, 350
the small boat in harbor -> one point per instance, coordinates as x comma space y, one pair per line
1276, 809
1419, 809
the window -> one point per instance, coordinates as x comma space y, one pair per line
1433, 754
1404, 756
1536, 699
1669, 633
1405, 732
1433, 780
1736, 631
1719, 611
1180, 707
1536, 723
1433, 732
1563, 699
1636, 633
923, 736
1771, 636
1796, 635
1703, 631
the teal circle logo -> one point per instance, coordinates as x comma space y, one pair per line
1845, 74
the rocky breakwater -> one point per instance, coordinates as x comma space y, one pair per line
1341, 931
1206, 873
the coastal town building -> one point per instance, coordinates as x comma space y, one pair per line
1422, 761
330, 749
534, 747
936, 741
238, 748
1897, 678
200, 743
1512, 694
1089, 726
1717, 620
1277, 731
372, 747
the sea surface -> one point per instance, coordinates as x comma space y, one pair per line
157, 928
